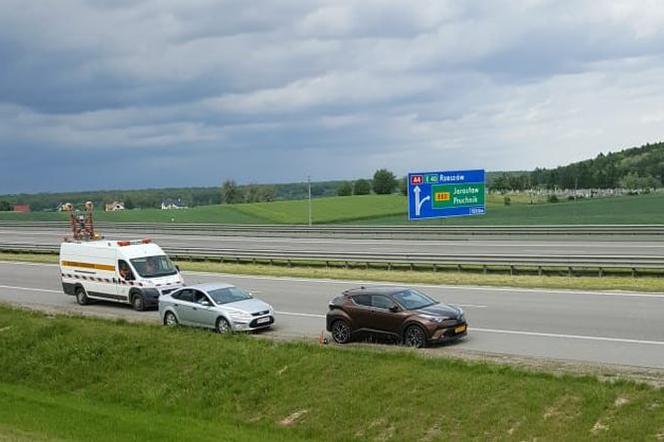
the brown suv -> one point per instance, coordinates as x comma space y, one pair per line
400, 312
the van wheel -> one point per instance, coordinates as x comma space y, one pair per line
81, 296
138, 303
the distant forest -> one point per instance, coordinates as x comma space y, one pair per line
635, 168
190, 196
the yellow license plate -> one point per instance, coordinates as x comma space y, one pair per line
460, 329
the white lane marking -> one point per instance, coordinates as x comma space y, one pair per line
431, 286
305, 315
30, 289
477, 329
24, 263
562, 336
654, 295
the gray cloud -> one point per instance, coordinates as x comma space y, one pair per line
118, 94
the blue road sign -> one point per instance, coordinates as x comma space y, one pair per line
446, 194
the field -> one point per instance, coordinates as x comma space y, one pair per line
391, 209
68, 378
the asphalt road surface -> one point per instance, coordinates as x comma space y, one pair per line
536, 247
615, 328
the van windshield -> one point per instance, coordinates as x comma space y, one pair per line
154, 266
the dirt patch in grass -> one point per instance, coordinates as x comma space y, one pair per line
293, 418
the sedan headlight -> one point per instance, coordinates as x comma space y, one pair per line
239, 316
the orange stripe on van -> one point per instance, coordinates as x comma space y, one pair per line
88, 265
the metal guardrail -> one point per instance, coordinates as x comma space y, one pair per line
512, 262
367, 231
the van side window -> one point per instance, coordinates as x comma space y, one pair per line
125, 271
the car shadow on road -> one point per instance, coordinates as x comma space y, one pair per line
387, 340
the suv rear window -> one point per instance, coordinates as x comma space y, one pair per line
364, 300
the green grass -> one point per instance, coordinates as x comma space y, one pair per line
31, 415
89, 379
642, 209
325, 210
651, 284
391, 209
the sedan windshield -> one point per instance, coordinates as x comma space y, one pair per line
228, 295
154, 266
412, 299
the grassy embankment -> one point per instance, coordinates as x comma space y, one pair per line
391, 209
641, 284
64, 378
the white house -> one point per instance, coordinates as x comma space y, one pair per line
168, 204
114, 206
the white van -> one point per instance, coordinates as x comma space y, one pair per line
132, 272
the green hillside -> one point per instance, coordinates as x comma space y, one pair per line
634, 168
82, 379
391, 209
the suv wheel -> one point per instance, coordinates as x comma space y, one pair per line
414, 337
340, 331
81, 296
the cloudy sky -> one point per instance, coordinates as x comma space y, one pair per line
126, 94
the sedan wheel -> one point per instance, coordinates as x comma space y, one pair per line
340, 332
414, 337
223, 326
170, 320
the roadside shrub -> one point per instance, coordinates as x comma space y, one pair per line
507, 200
552, 198
361, 187
345, 189
384, 182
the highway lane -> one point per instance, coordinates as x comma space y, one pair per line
551, 247
617, 328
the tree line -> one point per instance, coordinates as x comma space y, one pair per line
189, 196
635, 168
384, 182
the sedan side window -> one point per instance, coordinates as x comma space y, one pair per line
184, 295
200, 298
380, 301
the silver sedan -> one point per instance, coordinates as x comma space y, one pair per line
219, 306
